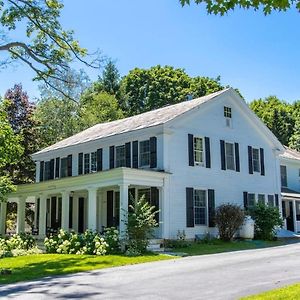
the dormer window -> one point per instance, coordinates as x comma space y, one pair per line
228, 116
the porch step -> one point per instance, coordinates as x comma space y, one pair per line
155, 245
40, 244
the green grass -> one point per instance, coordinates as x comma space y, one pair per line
291, 292
217, 246
40, 265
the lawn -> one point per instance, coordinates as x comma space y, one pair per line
218, 246
291, 292
40, 265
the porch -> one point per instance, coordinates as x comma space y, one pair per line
92, 201
291, 209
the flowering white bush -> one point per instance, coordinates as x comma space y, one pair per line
72, 243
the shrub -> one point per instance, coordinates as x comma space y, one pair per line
112, 238
141, 221
72, 243
228, 218
18, 244
266, 218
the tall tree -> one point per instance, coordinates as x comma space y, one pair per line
44, 46
19, 112
221, 7
146, 89
10, 153
277, 115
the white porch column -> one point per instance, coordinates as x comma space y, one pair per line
294, 216
92, 208
65, 205
35, 224
165, 205
3, 211
42, 216
75, 213
21, 214
123, 208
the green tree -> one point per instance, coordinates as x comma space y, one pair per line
221, 7
147, 89
277, 115
294, 141
10, 153
98, 108
44, 46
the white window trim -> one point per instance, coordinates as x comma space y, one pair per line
200, 164
234, 162
139, 154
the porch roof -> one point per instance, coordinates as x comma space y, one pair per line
95, 180
288, 193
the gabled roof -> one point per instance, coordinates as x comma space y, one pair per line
141, 121
290, 154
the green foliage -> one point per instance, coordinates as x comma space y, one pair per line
221, 7
45, 46
17, 245
266, 219
142, 90
98, 108
228, 218
89, 242
140, 224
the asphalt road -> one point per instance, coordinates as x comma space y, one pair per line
218, 276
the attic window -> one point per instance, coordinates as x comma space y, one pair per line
227, 112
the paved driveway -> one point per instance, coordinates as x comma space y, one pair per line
218, 276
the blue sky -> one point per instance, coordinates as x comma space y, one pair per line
255, 53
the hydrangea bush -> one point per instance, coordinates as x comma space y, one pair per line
18, 244
90, 242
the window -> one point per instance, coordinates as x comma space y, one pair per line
120, 156
47, 170
227, 112
86, 163
271, 200
200, 207
256, 160
94, 162
251, 200
198, 151
261, 199
283, 176
297, 210
229, 156
64, 167
145, 153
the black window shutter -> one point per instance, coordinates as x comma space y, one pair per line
57, 167
153, 152
250, 161
135, 154
155, 201
262, 162
207, 152
110, 209
276, 201
80, 163
283, 209
111, 157
51, 175
128, 154
99, 159
42, 165
222, 149
191, 149
189, 207
211, 208
237, 157
245, 200
69, 165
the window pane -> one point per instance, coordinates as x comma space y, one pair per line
256, 160
63, 167
283, 175
229, 153
200, 207
270, 200
261, 198
145, 153
227, 112
251, 200
86, 163
120, 156
94, 161
198, 150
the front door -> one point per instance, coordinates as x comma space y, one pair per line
290, 218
